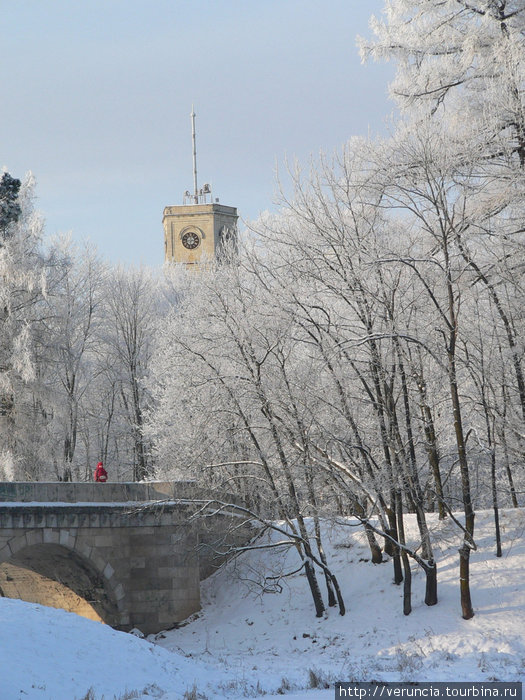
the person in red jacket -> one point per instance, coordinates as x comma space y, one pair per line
100, 473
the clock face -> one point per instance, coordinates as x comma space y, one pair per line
190, 240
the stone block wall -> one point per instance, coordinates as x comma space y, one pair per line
130, 546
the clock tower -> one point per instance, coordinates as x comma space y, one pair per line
197, 230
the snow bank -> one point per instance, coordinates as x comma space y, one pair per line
246, 642
54, 655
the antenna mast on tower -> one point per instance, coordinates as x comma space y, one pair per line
198, 196
195, 188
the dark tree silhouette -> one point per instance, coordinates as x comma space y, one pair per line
9, 207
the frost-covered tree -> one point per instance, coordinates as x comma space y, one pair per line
425, 179
330, 246
132, 312
73, 319
462, 64
460, 87
23, 272
461, 61
230, 394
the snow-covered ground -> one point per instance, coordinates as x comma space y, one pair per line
246, 642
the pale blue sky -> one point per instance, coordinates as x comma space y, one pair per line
96, 98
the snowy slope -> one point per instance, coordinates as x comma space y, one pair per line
245, 642
274, 637
52, 654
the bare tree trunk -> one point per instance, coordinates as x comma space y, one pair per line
431, 597
407, 586
392, 531
412, 476
332, 602
431, 445
503, 438
495, 502
140, 451
375, 549
508, 471
314, 588
468, 535
464, 552
494, 486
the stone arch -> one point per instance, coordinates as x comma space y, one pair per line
51, 571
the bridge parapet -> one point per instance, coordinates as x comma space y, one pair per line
110, 492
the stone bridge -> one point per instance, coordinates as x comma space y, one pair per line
122, 553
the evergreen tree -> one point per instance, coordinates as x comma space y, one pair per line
10, 209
